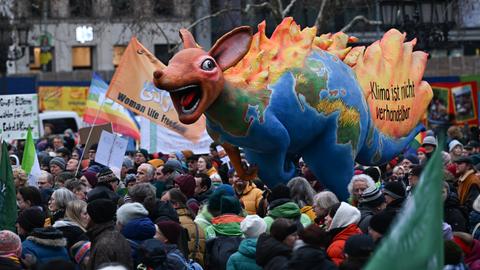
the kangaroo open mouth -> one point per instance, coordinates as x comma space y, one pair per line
188, 97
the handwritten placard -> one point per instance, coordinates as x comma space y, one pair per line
111, 150
392, 108
17, 114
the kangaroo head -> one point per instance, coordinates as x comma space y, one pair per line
194, 77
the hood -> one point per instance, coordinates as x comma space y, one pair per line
248, 247
350, 230
139, 229
48, 237
287, 210
65, 223
228, 225
345, 215
268, 247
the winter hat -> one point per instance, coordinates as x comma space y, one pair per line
187, 154
139, 229
280, 191
143, 152
412, 158
227, 189
374, 172
463, 159
187, 184
394, 189
152, 253
429, 140
381, 222
31, 218
127, 163
130, 211
421, 149
10, 243
416, 170
95, 168
106, 175
174, 165
345, 215
101, 210
156, 162
80, 250
60, 162
252, 226
359, 245
230, 205
130, 178
372, 197
171, 230
453, 144
91, 177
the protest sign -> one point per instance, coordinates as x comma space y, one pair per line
63, 98
94, 136
17, 114
111, 151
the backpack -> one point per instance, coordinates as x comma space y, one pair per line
190, 264
219, 249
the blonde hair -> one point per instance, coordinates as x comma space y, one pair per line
74, 210
21, 175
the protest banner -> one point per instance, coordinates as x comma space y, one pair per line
156, 138
132, 87
17, 114
111, 151
91, 135
63, 98
8, 199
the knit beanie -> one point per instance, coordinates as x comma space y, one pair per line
372, 197
10, 243
156, 162
127, 163
143, 152
412, 158
429, 140
106, 175
101, 210
453, 144
394, 189
230, 205
421, 149
130, 211
173, 165
152, 253
31, 218
359, 245
91, 177
227, 189
80, 250
60, 162
186, 183
252, 226
374, 172
171, 230
280, 191
139, 229
381, 222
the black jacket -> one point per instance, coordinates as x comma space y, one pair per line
272, 254
454, 214
219, 249
308, 257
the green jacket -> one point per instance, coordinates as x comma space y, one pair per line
244, 258
224, 225
288, 210
203, 218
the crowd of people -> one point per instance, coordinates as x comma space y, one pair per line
184, 211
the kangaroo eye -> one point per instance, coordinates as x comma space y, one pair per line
208, 64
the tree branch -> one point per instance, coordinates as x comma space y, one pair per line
359, 18
212, 16
262, 5
320, 15
288, 8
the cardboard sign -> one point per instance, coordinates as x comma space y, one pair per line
17, 114
111, 150
94, 137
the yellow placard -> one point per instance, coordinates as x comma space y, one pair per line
63, 98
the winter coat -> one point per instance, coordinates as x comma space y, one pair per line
474, 219
453, 215
472, 260
224, 225
335, 249
219, 249
468, 189
395, 205
366, 214
196, 244
272, 254
46, 244
136, 231
308, 210
307, 257
175, 258
282, 208
244, 258
10, 263
203, 218
202, 198
71, 231
250, 198
108, 245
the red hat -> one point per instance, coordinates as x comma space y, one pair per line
421, 149
186, 183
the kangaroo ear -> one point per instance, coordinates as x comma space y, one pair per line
187, 38
232, 47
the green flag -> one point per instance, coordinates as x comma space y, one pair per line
416, 239
8, 199
30, 162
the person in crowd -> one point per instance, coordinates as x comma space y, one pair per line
45, 180
203, 187
45, 162
429, 143
72, 165
413, 178
380, 225
398, 173
455, 149
80, 254
134, 224
45, 244
57, 165
92, 152
20, 177
470, 248
64, 153
186, 184
77, 187
127, 167
169, 232
281, 206
358, 249
152, 254
309, 251
144, 193
10, 251
192, 165
28, 220
170, 171
395, 194
341, 223
89, 179
468, 183
107, 244
407, 162
311, 178
357, 185
145, 173
29, 196
58, 204
421, 155
321, 204
474, 219
248, 194
453, 256
302, 194
156, 162
107, 184
75, 222
62, 177
252, 227
204, 216
196, 243
371, 202
453, 214
274, 250
205, 165
141, 156
76, 153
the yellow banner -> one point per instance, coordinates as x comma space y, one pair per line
132, 87
62, 98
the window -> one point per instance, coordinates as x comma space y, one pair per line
118, 51
163, 7
82, 58
122, 8
80, 8
41, 60
161, 52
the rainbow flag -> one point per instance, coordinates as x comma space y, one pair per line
110, 112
